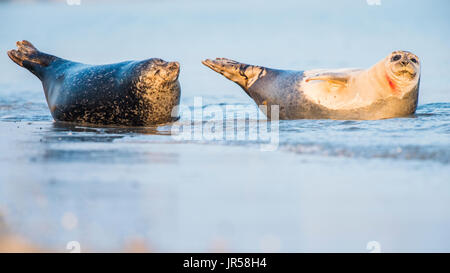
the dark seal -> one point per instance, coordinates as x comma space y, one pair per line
131, 93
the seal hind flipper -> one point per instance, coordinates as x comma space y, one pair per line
30, 57
243, 74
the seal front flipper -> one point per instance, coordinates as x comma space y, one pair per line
336, 78
243, 74
31, 58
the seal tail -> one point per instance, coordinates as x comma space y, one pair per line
30, 57
243, 74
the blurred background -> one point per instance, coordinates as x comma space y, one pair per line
331, 185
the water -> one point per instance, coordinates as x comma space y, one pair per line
328, 186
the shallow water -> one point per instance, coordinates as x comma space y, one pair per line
328, 185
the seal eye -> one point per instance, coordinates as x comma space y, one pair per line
414, 60
396, 58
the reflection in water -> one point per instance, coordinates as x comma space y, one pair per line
69, 127
74, 143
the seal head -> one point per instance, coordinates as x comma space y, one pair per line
402, 70
162, 71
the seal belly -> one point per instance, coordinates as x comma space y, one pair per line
286, 89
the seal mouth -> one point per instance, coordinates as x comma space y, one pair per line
404, 71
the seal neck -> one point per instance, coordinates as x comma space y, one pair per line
387, 84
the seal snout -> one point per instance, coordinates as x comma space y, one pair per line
404, 62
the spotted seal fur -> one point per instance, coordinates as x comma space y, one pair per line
130, 93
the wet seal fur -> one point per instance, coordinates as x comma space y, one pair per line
131, 93
389, 89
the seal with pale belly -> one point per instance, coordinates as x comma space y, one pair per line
131, 93
388, 89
